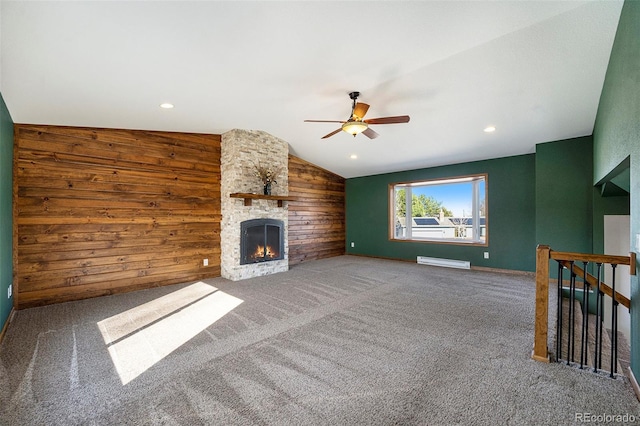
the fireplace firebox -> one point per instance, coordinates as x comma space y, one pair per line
261, 240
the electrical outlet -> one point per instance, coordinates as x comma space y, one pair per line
9, 291
486, 254
205, 262
353, 244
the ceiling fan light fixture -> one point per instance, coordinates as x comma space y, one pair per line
355, 127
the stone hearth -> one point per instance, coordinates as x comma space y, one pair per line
241, 151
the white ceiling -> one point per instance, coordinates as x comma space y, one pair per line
532, 69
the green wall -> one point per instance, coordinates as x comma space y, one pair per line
617, 136
6, 211
511, 210
564, 194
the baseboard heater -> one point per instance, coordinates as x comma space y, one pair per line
448, 263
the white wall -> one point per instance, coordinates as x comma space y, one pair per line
1, 27
617, 229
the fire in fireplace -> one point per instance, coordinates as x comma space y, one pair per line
261, 240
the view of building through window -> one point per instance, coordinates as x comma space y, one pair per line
452, 209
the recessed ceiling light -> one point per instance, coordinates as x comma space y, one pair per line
166, 105
353, 156
489, 129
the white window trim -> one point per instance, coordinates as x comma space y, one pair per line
476, 202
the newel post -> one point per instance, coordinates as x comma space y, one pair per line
540, 350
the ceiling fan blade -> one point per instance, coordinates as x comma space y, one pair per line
332, 133
324, 121
360, 110
388, 120
371, 134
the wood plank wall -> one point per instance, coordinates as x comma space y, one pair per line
103, 211
317, 219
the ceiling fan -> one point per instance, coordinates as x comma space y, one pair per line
357, 124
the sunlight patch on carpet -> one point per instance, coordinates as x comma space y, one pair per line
139, 338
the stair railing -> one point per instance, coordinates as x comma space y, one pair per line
570, 261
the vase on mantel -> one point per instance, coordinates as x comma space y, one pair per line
267, 188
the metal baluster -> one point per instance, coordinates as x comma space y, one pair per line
597, 354
559, 316
572, 315
601, 295
585, 317
614, 323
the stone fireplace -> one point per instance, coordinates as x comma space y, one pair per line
241, 151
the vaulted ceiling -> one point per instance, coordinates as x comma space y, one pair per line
532, 69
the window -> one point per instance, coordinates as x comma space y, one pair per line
450, 210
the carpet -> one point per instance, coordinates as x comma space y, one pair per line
346, 340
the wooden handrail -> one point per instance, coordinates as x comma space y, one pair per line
543, 254
595, 258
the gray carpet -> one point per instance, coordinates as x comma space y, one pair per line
346, 340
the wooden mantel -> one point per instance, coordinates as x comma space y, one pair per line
249, 197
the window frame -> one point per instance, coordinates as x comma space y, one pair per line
434, 181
